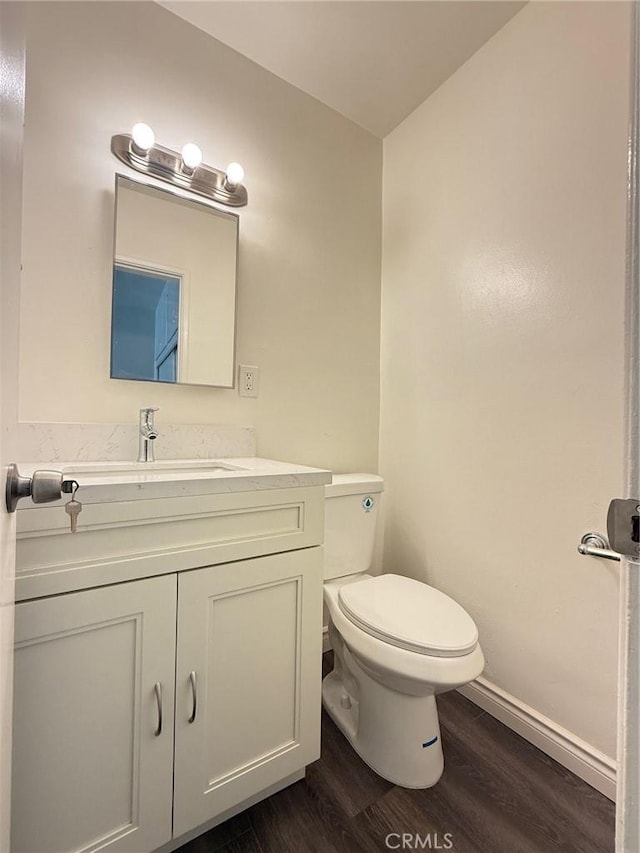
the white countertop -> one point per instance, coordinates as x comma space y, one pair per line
102, 482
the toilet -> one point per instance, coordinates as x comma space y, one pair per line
397, 642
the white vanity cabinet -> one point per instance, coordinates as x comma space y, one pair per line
233, 647
89, 772
247, 683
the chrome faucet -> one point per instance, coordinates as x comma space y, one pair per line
148, 435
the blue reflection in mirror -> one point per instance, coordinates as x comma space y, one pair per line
145, 324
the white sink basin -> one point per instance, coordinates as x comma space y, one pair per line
179, 466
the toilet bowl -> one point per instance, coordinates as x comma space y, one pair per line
397, 643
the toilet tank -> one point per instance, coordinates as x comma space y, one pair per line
351, 511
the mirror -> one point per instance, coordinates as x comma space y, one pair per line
174, 288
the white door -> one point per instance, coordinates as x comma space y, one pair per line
248, 680
93, 728
628, 779
12, 75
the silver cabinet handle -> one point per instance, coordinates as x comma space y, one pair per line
158, 689
194, 693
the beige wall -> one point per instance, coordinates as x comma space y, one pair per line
309, 265
502, 350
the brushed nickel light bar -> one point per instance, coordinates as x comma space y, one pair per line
185, 169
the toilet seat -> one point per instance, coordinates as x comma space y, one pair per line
409, 614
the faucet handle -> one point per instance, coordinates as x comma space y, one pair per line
146, 414
147, 421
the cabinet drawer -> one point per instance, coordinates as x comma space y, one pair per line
135, 539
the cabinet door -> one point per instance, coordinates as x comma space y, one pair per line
90, 771
247, 680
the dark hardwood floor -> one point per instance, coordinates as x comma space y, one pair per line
498, 794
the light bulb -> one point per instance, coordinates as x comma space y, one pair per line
143, 137
191, 156
235, 174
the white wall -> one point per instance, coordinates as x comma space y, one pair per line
502, 350
309, 265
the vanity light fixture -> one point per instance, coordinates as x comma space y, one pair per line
185, 170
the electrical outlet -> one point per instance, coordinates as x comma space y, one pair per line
248, 376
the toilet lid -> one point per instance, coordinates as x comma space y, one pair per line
410, 614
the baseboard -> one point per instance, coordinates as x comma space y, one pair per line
591, 765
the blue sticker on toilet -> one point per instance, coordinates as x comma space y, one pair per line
368, 503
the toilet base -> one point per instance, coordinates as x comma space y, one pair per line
397, 735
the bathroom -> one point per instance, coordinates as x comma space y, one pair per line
442, 302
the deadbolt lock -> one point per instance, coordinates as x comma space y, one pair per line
623, 526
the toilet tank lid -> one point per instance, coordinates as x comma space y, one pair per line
354, 484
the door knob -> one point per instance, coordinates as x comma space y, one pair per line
43, 486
